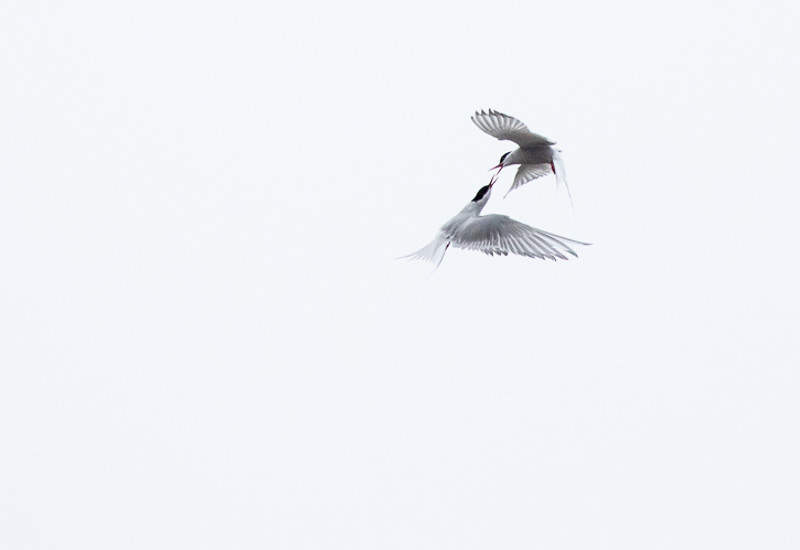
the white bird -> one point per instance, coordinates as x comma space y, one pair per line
493, 234
536, 155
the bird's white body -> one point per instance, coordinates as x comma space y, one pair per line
536, 155
493, 234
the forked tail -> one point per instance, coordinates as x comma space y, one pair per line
433, 252
561, 174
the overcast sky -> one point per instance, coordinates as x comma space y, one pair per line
207, 342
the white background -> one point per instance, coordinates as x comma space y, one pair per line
207, 343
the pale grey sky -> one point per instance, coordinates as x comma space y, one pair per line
208, 344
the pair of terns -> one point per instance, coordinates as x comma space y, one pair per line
494, 233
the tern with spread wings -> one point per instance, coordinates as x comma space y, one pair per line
536, 154
493, 234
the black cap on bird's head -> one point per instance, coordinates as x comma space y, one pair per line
500, 164
481, 193
483, 190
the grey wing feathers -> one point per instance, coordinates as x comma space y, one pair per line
502, 126
496, 234
529, 172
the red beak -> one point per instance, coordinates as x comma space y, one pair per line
496, 167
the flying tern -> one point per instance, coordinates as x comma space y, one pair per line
536, 154
493, 234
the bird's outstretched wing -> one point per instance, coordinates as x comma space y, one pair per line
529, 172
502, 126
497, 234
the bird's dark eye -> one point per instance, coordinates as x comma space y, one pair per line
481, 192
504, 157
